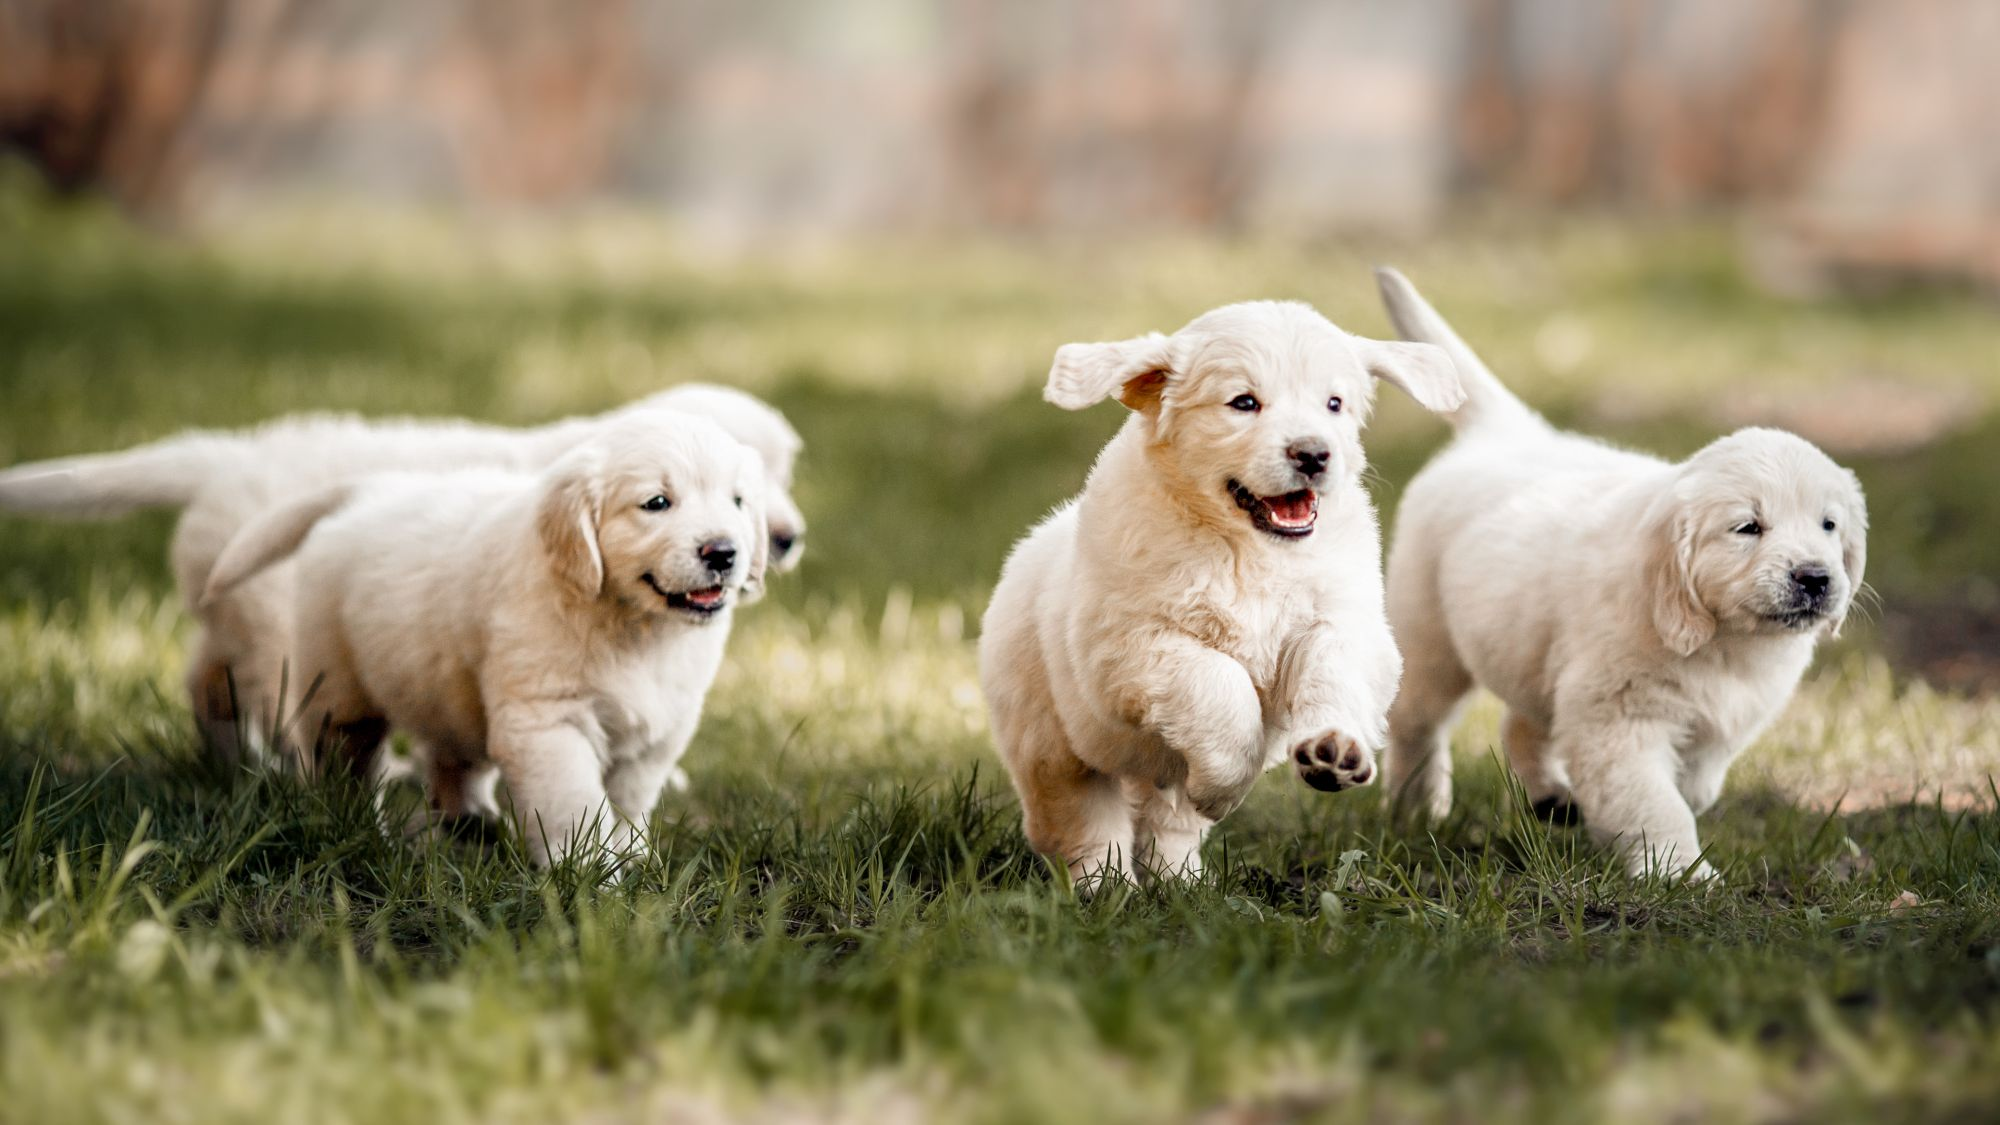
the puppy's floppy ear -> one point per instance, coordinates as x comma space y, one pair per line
1136, 370
1853, 547
567, 521
1424, 371
1685, 624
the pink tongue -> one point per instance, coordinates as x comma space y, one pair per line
705, 597
1291, 509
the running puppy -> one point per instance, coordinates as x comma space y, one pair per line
1211, 604
222, 481
563, 628
1642, 621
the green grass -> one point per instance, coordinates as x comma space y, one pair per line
842, 921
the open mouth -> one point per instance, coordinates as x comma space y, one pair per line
1291, 515
704, 603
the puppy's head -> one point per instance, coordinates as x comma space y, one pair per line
1255, 409
756, 424
1761, 534
660, 513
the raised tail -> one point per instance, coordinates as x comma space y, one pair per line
1488, 402
165, 474
272, 536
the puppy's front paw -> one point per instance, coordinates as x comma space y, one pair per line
1332, 761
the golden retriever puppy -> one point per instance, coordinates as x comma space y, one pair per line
1641, 620
224, 480
1211, 604
563, 628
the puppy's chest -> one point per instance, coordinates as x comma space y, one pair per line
643, 704
1252, 628
1727, 708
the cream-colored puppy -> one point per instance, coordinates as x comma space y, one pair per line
563, 628
1211, 604
224, 480
1641, 620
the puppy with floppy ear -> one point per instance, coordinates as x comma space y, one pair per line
1211, 604
562, 629
223, 481
1642, 621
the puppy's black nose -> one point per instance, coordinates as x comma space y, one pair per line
718, 555
1812, 580
781, 543
1310, 456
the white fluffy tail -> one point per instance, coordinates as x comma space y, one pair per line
165, 474
1487, 399
272, 536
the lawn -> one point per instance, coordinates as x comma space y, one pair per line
843, 922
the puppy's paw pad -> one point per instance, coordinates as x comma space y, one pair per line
1333, 761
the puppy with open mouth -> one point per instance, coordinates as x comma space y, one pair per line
559, 631
1642, 620
1211, 604
222, 480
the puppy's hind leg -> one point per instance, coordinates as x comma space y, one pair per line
1168, 831
1082, 816
1417, 770
1068, 810
1416, 775
459, 790
335, 727
1541, 773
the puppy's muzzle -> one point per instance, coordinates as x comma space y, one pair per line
1309, 456
1809, 597
718, 555
1811, 582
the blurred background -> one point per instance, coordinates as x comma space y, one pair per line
1857, 135
1660, 219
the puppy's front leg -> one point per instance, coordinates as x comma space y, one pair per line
1625, 778
634, 785
557, 781
1203, 705
1335, 687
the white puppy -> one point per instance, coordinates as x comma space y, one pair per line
1642, 621
223, 480
1212, 603
564, 628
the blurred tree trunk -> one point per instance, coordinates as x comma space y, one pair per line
100, 93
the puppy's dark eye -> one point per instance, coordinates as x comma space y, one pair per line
1334, 404
1248, 404
657, 504
1751, 528
739, 501
1828, 525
